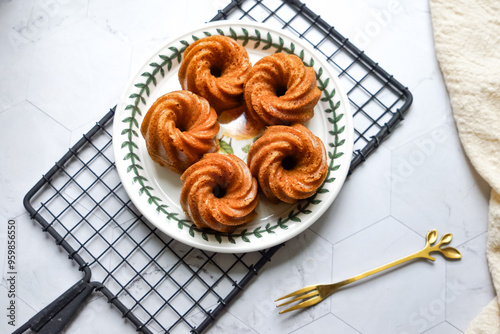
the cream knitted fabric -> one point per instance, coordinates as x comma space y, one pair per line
467, 40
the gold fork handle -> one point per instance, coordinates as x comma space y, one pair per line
423, 253
430, 246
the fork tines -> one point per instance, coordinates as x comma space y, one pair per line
309, 296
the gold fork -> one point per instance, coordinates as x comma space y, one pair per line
313, 294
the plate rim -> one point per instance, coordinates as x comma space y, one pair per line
259, 244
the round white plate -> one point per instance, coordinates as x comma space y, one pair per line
155, 190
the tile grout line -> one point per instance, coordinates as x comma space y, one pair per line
318, 235
49, 116
244, 322
449, 323
359, 231
88, 9
345, 322
316, 319
13, 106
473, 238
428, 329
409, 228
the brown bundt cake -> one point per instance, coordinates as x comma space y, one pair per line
281, 90
215, 67
219, 192
179, 128
289, 163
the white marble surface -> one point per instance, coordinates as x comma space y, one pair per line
63, 64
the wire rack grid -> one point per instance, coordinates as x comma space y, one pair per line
159, 284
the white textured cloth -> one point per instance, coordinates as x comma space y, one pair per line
467, 41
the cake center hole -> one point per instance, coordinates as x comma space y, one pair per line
280, 91
289, 163
216, 71
219, 191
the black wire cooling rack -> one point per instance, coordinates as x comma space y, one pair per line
159, 284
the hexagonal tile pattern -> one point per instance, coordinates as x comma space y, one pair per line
327, 323
369, 187
448, 204
227, 320
27, 134
470, 289
443, 328
392, 291
311, 258
65, 63
95, 59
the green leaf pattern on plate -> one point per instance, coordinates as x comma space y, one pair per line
225, 147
